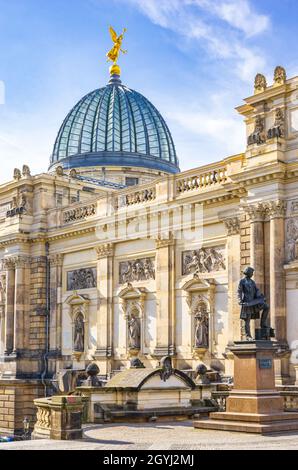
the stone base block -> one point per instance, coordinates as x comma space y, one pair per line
259, 402
250, 422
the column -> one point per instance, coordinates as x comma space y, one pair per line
56, 264
257, 254
21, 262
105, 300
165, 297
277, 211
9, 305
232, 225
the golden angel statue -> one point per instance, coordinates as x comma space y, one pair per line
114, 53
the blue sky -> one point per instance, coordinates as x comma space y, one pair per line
194, 59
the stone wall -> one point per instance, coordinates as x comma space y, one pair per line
16, 403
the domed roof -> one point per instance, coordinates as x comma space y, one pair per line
115, 126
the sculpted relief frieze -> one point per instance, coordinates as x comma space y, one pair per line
204, 260
136, 270
85, 278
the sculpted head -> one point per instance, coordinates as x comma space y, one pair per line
249, 271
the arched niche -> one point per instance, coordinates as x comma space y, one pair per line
79, 314
132, 304
200, 297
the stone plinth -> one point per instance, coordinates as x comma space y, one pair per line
254, 405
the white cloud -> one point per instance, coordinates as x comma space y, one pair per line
239, 14
221, 25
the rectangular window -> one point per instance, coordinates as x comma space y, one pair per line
131, 181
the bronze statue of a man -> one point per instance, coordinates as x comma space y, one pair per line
252, 302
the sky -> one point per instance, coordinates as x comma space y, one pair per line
195, 60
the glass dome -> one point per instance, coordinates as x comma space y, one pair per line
115, 126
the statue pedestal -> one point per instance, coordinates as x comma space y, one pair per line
254, 405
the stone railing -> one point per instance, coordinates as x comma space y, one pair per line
202, 180
79, 213
290, 396
43, 418
137, 196
221, 398
58, 417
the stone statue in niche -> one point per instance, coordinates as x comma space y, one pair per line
291, 238
81, 279
136, 270
134, 332
258, 136
2, 289
203, 260
202, 326
278, 129
79, 334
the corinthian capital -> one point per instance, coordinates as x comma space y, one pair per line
232, 225
276, 209
256, 212
162, 242
22, 261
8, 263
105, 250
56, 259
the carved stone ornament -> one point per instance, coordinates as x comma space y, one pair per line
278, 129
258, 136
256, 212
26, 171
166, 368
105, 250
260, 83
163, 241
56, 259
59, 171
205, 260
17, 175
85, 278
20, 205
232, 225
276, 209
136, 270
280, 75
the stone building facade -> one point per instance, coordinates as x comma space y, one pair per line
96, 270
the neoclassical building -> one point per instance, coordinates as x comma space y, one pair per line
113, 254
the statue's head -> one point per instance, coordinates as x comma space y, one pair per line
249, 271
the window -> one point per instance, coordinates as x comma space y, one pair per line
131, 181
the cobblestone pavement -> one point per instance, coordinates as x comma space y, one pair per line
160, 436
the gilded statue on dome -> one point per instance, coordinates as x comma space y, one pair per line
114, 53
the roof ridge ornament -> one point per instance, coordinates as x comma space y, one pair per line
113, 54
